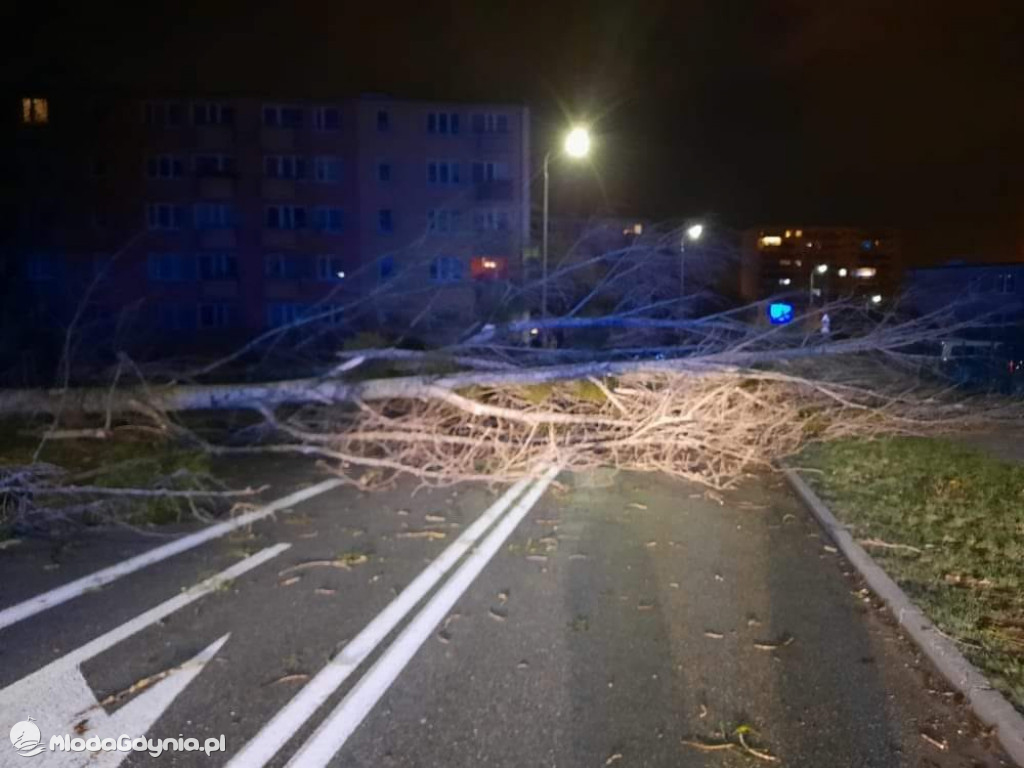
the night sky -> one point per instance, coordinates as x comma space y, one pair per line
864, 111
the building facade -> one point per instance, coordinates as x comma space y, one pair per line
216, 218
825, 263
989, 294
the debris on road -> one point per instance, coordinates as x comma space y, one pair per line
344, 562
293, 678
942, 746
772, 645
290, 581
427, 534
713, 634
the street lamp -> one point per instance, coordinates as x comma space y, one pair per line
821, 269
693, 234
576, 145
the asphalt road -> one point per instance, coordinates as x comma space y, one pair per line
610, 627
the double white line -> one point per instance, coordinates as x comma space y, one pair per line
333, 732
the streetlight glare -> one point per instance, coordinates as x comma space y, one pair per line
577, 143
822, 269
695, 231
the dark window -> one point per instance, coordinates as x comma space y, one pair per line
218, 266
383, 120
386, 268
327, 119
383, 171
385, 223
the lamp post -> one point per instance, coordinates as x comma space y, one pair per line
693, 234
821, 269
577, 145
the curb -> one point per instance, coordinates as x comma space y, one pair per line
990, 706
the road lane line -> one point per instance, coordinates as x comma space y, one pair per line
265, 744
58, 693
332, 733
73, 589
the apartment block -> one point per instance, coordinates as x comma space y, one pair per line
821, 262
197, 219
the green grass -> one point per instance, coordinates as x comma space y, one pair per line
964, 510
121, 461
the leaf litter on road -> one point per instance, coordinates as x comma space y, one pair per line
345, 562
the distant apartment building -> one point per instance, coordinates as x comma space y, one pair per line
214, 218
992, 294
826, 262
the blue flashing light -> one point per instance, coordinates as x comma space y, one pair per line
780, 313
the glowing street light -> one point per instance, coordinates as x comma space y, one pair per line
821, 269
577, 142
576, 146
876, 299
693, 233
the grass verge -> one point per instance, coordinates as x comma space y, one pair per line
947, 523
122, 461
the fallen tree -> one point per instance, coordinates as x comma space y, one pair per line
709, 398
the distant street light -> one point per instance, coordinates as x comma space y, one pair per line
693, 233
876, 299
577, 145
821, 269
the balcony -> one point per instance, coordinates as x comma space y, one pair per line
280, 238
282, 289
213, 138
278, 189
216, 188
495, 190
278, 139
492, 142
216, 239
220, 289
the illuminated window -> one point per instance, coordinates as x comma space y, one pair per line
865, 272
789, 233
785, 262
770, 240
35, 111
799, 262
799, 233
785, 281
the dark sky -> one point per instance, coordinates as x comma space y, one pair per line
874, 111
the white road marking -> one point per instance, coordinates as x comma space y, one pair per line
265, 744
58, 696
333, 732
71, 590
